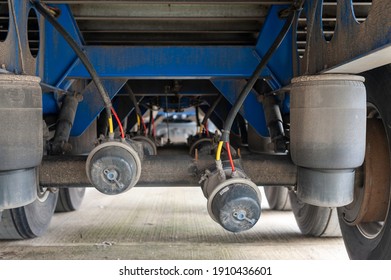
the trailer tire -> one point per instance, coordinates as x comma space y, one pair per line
278, 198
70, 199
31, 220
314, 220
370, 237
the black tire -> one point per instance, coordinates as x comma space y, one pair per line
31, 220
372, 240
314, 220
278, 198
149, 146
70, 199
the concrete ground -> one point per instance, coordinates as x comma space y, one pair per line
170, 224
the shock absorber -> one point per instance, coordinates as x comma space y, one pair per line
64, 124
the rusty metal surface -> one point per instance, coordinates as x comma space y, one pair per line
372, 195
172, 170
352, 38
16, 49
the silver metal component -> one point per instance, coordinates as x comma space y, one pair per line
17, 188
325, 188
112, 175
241, 215
328, 124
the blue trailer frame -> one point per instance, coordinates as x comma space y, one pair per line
227, 67
329, 37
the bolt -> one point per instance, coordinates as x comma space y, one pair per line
241, 215
112, 176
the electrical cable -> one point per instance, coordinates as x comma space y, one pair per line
140, 120
201, 129
231, 162
48, 15
254, 77
133, 99
143, 125
121, 129
219, 148
297, 6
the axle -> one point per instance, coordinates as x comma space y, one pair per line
176, 170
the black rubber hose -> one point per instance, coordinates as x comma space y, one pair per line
79, 52
134, 100
211, 109
254, 77
137, 107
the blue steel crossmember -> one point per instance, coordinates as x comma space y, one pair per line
176, 62
369, 47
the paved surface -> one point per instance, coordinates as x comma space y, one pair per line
167, 223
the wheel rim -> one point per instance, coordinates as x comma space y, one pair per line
370, 207
42, 193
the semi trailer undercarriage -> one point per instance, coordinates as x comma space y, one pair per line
290, 95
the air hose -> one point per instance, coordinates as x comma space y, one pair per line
257, 72
49, 16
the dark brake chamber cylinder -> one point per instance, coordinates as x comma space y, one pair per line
236, 207
233, 200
